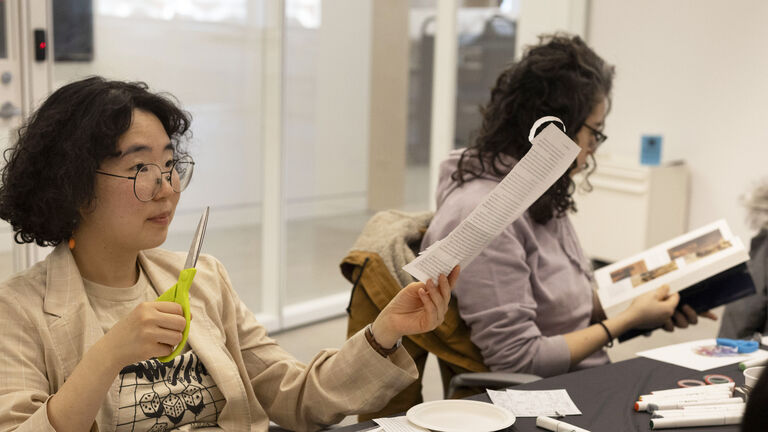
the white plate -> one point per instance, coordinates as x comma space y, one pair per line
454, 415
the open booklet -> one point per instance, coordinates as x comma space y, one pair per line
706, 266
551, 153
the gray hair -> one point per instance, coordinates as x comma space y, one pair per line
756, 202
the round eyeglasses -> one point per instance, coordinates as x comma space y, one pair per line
149, 178
599, 136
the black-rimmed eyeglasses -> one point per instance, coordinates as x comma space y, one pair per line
599, 136
149, 178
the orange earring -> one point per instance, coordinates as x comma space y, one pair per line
71, 243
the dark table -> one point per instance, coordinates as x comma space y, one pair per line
606, 395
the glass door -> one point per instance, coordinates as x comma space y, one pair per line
345, 140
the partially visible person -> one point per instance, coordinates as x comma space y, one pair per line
745, 317
756, 415
528, 297
97, 172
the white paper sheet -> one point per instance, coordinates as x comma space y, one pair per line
501, 399
398, 424
684, 354
551, 153
534, 403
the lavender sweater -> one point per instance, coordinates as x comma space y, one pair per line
530, 286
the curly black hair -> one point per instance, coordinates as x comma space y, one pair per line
562, 77
49, 172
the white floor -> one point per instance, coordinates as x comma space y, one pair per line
305, 342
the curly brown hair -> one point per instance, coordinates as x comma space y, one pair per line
562, 77
49, 172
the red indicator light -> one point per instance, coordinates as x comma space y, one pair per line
40, 45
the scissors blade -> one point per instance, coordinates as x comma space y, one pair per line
197, 240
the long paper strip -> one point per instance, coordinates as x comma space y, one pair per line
551, 154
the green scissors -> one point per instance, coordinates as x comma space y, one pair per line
179, 293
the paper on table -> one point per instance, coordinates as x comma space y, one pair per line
398, 424
501, 399
551, 153
684, 355
534, 403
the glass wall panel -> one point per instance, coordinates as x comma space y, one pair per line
486, 31
331, 60
325, 142
421, 39
329, 91
208, 55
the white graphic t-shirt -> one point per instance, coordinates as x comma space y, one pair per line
155, 396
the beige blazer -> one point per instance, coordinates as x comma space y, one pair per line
47, 324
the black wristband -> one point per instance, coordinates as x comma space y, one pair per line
608, 332
384, 352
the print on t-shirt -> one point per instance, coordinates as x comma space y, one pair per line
158, 397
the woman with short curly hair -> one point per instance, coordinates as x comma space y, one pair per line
75, 130
527, 297
97, 172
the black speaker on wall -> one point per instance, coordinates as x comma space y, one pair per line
72, 30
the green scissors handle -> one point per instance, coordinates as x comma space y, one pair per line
179, 293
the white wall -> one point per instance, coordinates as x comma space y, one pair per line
548, 16
696, 72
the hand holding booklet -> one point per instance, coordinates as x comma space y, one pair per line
706, 266
551, 153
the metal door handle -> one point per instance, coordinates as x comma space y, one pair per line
8, 110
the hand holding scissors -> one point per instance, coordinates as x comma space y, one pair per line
179, 293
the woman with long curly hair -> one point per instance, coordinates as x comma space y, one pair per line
97, 172
528, 296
